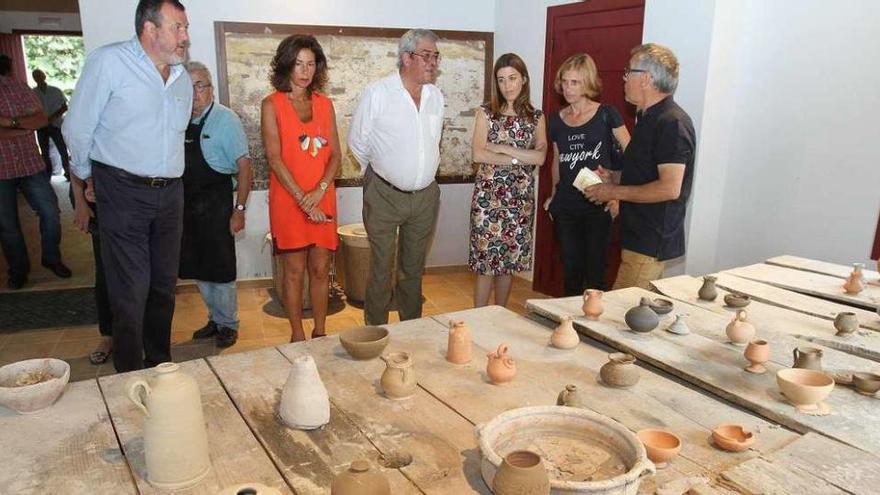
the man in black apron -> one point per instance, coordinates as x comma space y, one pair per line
216, 149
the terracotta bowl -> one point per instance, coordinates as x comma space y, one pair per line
364, 342
662, 446
732, 437
30, 398
661, 306
737, 300
866, 383
804, 388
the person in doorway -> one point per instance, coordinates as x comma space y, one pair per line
21, 169
55, 105
584, 133
395, 136
302, 148
216, 150
657, 172
509, 142
125, 131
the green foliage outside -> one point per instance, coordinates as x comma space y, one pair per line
60, 57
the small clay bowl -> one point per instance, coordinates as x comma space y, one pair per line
364, 342
732, 437
866, 383
806, 389
661, 306
737, 300
26, 399
660, 445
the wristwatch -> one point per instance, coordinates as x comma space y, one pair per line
323, 185
13, 122
514, 161
240, 207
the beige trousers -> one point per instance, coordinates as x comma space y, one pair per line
637, 270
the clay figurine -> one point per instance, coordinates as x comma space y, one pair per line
708, 292
809, 358
460, 347
304, 403
757, 353
856, 281
565, 336
500, 368
620, 371
740, 331
360, 479
571, 397
399, 379
679, 326
846, 323
521, 473
592, 307
642, 318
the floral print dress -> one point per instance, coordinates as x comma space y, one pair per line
503, 206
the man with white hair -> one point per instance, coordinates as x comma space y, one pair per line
657, 171
395, 135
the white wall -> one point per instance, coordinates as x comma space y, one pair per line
38, 21
105, 21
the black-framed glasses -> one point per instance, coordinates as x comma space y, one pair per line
427, 56
627, 71
201, 87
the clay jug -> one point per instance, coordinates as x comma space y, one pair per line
620, 370
501, 366
399, 379
708, 292
592, 307
360, 479
571, 397
807, 357
856, 281
175, 438
740, 331
642, 318
679, 326
565, 336
304, 403
459, 349
846, 323
521, 473
757, 353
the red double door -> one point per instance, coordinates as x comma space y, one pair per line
607, 30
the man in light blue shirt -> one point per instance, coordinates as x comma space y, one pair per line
125, 131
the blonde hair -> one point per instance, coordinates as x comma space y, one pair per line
585, 65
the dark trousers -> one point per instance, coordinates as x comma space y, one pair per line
102, 298
43, 136
38, 192
583, 245
140, 232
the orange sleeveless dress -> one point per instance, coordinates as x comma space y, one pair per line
291, 228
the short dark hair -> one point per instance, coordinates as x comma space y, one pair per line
285, 59
149, 10
5, 65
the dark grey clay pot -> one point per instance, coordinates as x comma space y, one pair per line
642, 318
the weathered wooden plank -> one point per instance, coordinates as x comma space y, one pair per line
762, 477
863, 343
69, 447
814, 284
236, 456
308, 460
445, 456
706, 360
823, 267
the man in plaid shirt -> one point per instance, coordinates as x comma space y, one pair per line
21, 168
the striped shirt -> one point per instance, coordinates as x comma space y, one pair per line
19, 156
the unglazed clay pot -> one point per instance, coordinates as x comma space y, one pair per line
364, 342
642, 318
809, 358
856, 281
806, 389
304, 403
661, 306
521, 473
732, 437
500, 368
399, 379
679, 326
459, 349
360, 479
565, 336
740, 331
866, 383
620, 371
707, 291
662, 446
737, 300
592, 307
758, 353
250, 489
571, 397
846, 323
175, 439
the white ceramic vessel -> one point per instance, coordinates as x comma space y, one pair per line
304, 403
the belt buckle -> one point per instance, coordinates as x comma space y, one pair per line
158, 182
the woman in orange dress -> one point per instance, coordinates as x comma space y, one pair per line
302, 148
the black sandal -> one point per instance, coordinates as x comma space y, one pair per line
99, 357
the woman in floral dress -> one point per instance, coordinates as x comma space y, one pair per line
509, 142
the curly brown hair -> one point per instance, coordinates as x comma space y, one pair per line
285, 59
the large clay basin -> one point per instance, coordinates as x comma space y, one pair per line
30, 398
364, 342
662, 446
804, 388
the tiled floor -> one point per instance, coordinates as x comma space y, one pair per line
262, 324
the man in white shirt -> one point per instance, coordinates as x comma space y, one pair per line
54, 104
395, 135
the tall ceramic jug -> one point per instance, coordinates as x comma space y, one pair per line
565, 336
708, 292
304, 403
807, 357
592, 307
175, 438
399, 379
459, 349
740, 331
501, 367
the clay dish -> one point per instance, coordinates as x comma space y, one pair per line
661, 306
364, 342
866, 383
804, 388
52, 374
737, 300
732, 437
661, 446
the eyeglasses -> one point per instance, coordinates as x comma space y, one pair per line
201, 87
627, 71
427, 56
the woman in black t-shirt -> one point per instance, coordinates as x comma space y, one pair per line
583, 135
